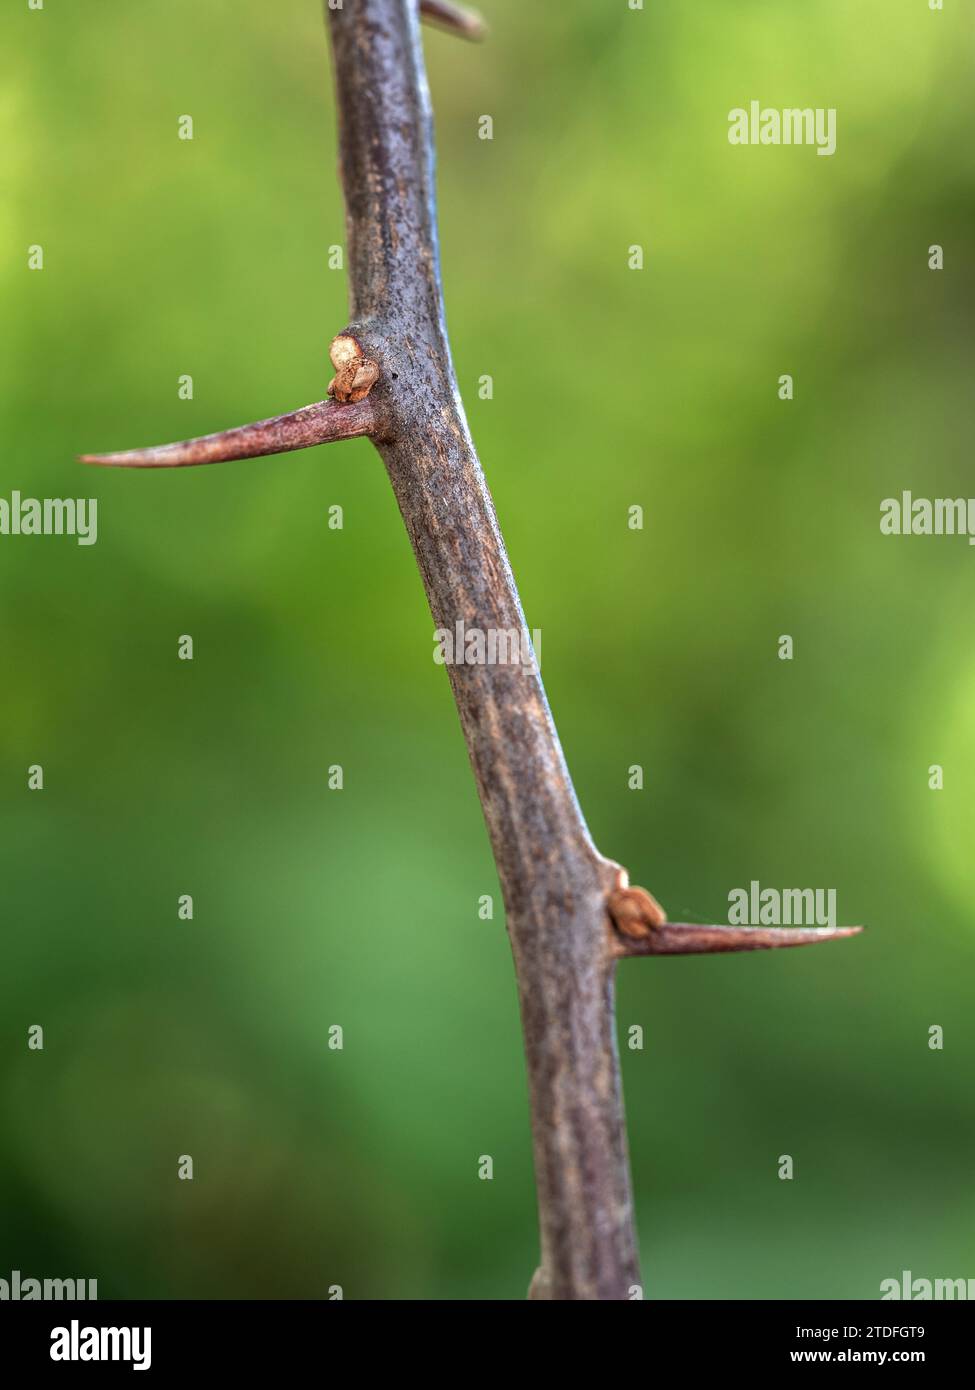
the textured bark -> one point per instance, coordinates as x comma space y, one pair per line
554, 882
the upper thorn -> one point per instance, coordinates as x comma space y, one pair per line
642, 929
458, 20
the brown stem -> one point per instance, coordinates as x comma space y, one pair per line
554, 881
570, 913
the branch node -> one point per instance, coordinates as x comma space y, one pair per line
635, 912
355, 373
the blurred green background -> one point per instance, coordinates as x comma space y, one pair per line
312, 647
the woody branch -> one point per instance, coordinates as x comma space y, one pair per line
570, 912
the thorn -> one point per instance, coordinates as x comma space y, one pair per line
688, 939
322, 423
643, 930
454, 18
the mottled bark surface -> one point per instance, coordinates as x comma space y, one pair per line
553, 880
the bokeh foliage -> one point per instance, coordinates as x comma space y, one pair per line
313, 647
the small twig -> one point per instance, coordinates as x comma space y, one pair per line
455, 18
